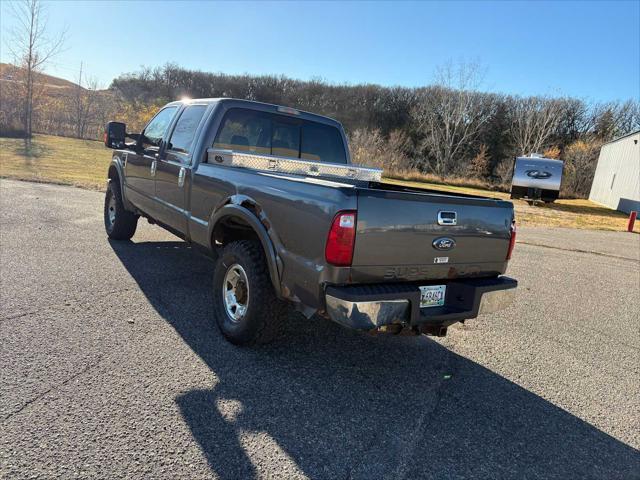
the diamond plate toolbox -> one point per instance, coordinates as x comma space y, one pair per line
268, 163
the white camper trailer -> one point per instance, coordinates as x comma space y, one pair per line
536, 178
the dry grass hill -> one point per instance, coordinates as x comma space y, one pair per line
11, 73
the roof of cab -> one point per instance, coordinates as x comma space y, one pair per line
265, 107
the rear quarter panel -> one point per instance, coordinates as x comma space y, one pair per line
297, 214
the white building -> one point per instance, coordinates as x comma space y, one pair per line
616, 183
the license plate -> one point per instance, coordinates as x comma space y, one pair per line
432, 296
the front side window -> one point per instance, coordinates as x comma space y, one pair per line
157, 127
245, 131
185, 130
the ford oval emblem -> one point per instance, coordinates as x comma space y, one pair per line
539, 174
443, 243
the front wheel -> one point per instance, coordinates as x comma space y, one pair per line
245, 305
119, 223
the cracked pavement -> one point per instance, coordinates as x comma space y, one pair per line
111, 367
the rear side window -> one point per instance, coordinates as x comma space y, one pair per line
185, 130
157, 127
271, 134
322, 143
245, 131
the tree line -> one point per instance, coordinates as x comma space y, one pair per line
447, 130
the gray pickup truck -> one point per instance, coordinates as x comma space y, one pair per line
271, 194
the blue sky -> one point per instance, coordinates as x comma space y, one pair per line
583, 49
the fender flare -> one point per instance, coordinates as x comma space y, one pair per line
116, 162
234, 210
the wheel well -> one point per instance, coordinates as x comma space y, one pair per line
232, 228
113, 173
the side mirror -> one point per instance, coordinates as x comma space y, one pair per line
114, 135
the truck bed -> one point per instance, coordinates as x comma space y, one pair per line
396, 225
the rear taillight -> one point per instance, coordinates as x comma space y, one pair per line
342, 237
512, 240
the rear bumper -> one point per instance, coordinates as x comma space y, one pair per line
366, 307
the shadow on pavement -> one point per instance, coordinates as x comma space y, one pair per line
342, 404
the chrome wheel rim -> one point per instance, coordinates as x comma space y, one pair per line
111, 209
235, 292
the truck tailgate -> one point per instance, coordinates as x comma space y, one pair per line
398, 231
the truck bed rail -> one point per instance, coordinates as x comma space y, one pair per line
269, 163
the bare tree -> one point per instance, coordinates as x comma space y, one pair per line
369, 147
577, 120
83, 103
614, 119
451, 114
31, 49
533, 121
79, 107
580, 160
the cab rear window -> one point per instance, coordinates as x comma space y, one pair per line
322, 143
279, 135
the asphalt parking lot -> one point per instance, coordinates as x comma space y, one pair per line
111, 367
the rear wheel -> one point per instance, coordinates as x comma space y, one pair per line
119, 223
245, 305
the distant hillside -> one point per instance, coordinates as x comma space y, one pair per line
60, 106
11, 73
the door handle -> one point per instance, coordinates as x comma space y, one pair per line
181, 175
154, 164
